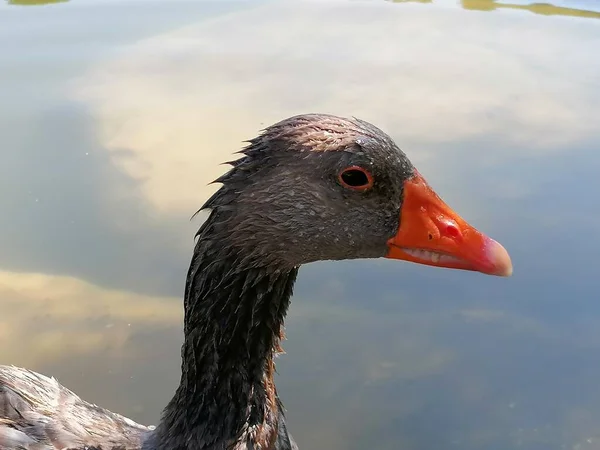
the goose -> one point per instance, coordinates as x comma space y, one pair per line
312, 187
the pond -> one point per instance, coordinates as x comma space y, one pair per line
116, 115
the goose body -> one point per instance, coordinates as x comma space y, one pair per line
312, 187
37, 412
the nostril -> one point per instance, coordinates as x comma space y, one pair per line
452, 230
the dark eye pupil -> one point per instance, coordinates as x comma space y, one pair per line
355, 178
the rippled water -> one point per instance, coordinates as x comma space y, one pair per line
116, 114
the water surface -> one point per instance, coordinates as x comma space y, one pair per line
116, 114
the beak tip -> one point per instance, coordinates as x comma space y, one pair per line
501, 260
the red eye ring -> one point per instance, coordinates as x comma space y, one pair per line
356, 178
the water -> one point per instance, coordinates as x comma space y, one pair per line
116, 114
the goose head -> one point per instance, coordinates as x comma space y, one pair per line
321, 187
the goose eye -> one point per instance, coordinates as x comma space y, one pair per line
356, 178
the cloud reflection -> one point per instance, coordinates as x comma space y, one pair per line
115, 348
47, 317
182, 102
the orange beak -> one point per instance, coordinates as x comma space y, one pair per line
432, 233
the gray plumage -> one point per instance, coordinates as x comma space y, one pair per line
38, 413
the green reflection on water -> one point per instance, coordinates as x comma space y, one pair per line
545, 9
34, 2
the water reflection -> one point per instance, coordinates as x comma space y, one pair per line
52, 321
72, 317
107, 155
34, 2
545, 9
582, 9
247, 79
